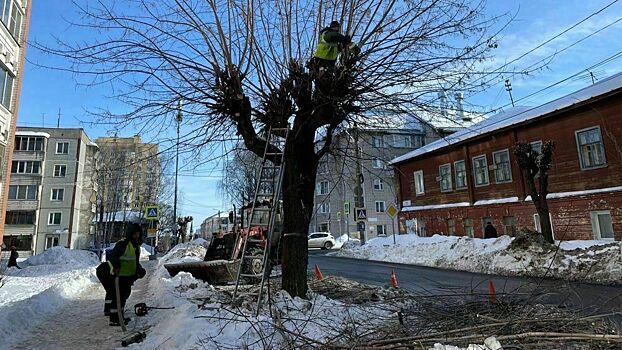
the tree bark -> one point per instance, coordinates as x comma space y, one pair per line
298, 200
542, 208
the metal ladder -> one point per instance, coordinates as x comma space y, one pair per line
268, 187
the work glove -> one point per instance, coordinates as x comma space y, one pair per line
140, 272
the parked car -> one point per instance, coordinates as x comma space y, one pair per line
323, 240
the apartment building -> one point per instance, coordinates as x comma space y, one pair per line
130, 174
53, 190
457, 185
340, 171
15, 16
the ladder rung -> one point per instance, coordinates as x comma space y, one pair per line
274, 153
265, 194
259, 224
271, 166
252, 257
256, 240
262, 209
267, 180
251, 275
279, 129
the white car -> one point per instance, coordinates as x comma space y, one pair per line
323, 240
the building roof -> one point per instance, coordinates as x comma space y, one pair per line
517, 115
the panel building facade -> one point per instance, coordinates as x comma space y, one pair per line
53, 190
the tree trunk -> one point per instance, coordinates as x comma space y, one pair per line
545, 220
298, 198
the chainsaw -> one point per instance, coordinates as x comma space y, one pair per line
141, 309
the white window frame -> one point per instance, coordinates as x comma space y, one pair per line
538, 227
533, 144
58, 190
64, 147
472, 226
59, 166
26, 191
494, 161
322, 167
378, 185
475, 171
384, 230
320, 190
594, 220
324, 207
583, 167
375, 139
52, 237
378, 163
465, 174
419, 191
449, 233
383, 205
448, 173
52, 216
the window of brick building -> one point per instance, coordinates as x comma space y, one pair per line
445, 177
602, 227
460, 169
509, 225
451, 227
480, 170
378, 185
380, 207
468, 227
381, 230
419, 188
591, 148
503, 170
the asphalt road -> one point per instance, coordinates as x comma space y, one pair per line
432, 281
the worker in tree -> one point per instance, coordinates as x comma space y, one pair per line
123, 262
332, 42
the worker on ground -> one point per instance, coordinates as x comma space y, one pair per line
332, 42
123, 262
13, 258
490, 231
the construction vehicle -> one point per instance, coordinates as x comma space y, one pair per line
248, 254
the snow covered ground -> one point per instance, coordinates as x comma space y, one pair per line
590, 261
46, 283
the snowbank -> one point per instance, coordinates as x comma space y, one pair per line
46, 283
203, 317
343, 239
590, 261
63, 256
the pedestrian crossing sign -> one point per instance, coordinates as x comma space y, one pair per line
152, 212
361, 213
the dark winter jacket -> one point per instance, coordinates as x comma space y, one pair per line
13, 258
333, 36
114, 257
490, 232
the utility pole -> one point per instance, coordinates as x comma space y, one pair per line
179, 120
58, 120
358, 189
508, 88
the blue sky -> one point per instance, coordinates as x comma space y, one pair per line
45, 91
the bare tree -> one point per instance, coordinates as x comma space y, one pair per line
240, 67
240, 177
535, 168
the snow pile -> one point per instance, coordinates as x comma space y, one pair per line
204, 318
62, 256
185, 252
592, 261
46, 283
343, 241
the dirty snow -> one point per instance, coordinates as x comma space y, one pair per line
489, 344
46, 283
590, 261
203, 319
343, 240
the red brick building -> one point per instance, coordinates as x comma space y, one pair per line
457, 184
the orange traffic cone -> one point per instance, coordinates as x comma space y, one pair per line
491, 292
393, 279
318, 273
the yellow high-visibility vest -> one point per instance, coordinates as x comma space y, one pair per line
325, 50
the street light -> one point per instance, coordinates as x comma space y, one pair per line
179, 120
